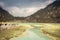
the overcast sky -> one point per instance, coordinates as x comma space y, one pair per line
24, 7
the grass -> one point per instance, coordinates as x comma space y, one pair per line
52, 29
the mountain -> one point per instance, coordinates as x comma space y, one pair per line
50, 14
5, 16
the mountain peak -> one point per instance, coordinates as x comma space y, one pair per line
55, 4
0, 8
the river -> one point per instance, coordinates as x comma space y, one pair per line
33, 34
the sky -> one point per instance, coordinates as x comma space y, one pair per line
23, 8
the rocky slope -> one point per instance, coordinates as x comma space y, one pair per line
5, 16
49, 14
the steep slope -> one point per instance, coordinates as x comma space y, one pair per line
49, 14
5, 16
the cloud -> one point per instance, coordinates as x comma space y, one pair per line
2, 4
17, 11
44, 4
24, 8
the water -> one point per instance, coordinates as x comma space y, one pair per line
33, 34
